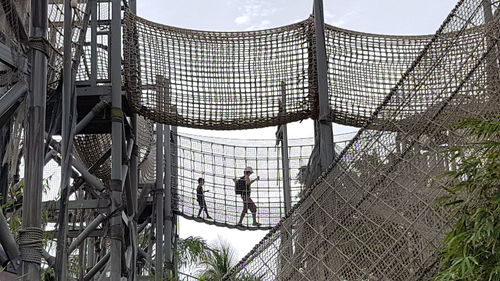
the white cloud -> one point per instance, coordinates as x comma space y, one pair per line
243, 19
255, 13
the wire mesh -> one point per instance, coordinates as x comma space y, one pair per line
373, 216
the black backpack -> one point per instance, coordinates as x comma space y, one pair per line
240, 186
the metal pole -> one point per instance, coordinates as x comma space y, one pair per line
159, 202
116, 149
168, 197
282, 135
8, 242
325, 127
134, 179
100, 106
93, 43
34, 147
61, 253
12, 96
287, 193
172, 230
86, 232
99, 265
134, 183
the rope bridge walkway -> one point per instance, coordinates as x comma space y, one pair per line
373, 215
218, 161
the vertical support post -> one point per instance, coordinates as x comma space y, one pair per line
93, 43
168, 199
324, 126
116, 234
90, 254
31, 247
159, 203
134, 181
61, 254
282, 136
287, 193
171, 219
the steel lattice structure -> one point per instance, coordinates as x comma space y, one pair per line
109, 124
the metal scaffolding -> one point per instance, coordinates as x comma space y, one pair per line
125, 179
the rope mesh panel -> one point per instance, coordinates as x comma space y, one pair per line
231, 80
362, 69
217, 80
373, 215
218, 161
90, 147
102, 47
56, 37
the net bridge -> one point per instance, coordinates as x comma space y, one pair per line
95, 172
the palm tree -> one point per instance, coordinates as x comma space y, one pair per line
217, 263
212, 262
191, 251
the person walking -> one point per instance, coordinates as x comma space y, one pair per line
200, 197
243, 188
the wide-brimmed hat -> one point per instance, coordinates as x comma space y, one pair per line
248, 169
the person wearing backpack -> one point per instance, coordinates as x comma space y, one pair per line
243, 188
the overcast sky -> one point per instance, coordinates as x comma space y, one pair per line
408, 17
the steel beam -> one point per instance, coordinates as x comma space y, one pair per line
87, 204
66, 145
99, 265
9, 243
324, 126
159, 202
34, 146
80, 167
12, 58
168, 196
283, 137
100, 106
85, 233
13, 95
116, 231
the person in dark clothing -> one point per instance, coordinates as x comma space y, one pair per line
200, 197
245, 196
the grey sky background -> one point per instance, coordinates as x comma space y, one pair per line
408, 17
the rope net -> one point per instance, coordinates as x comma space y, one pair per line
235, 80
373, 215
217, 80
363, 68
55, 36
218, 161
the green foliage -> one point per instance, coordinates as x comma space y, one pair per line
472, 250
191, 251
212, 262
48, 274
217, 263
